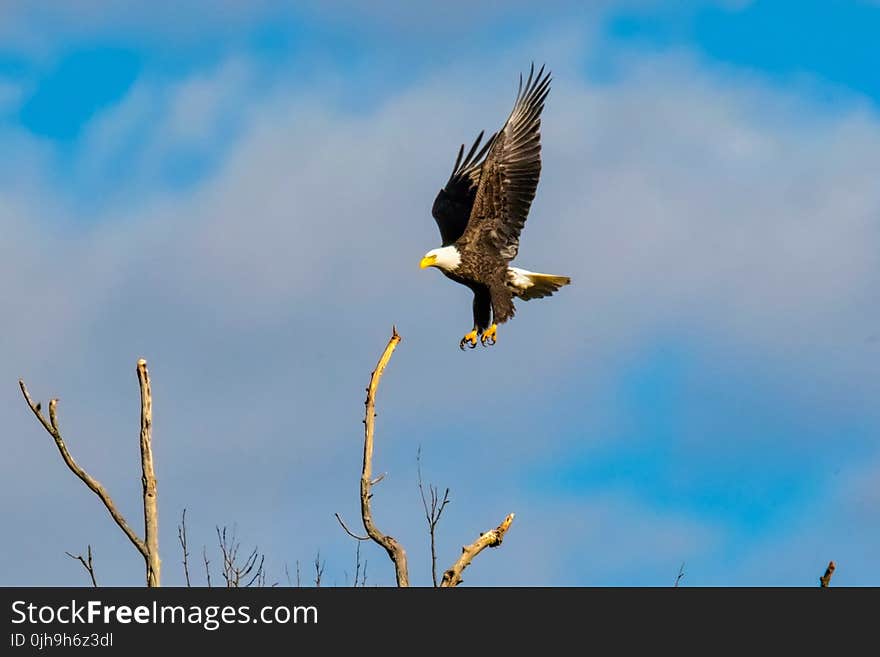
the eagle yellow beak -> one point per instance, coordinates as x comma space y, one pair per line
427, 261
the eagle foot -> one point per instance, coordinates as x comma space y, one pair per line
489, 337
469, 339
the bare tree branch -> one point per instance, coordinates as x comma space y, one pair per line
679, 576
348, 531
319, 569
492, 538
262, 577
51, 426
357, 563
239, 573
432, 512
181, 537
259, 574
148, 479
86, 563
825, 580
207, 565
392, 546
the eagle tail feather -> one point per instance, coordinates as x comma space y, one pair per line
528, 285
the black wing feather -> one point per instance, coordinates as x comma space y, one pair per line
452, 207
510, 173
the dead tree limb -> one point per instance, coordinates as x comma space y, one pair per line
825, 580
93, 484
148, 479
149, 546
348, 531
86, 563
492, 538
392, 546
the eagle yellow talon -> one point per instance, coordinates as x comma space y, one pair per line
488, 338
470, 339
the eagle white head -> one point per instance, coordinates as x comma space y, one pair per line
446, 258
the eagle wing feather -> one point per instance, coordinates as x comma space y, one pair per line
453, 204
509, 176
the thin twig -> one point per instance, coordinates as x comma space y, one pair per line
86, 563
298, 575
207, 565
181, 537
492, 538
238, 573
392, 546
319, 569
348, 531
260, 574
679, 576
432, 512
357, 563
825, 580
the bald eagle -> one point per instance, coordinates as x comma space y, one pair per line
482, 209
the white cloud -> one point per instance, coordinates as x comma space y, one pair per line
158, 125
674, 197
39, 26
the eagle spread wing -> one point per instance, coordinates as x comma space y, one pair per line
508, 178
452, 207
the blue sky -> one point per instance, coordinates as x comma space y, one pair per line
781, 40
702, 393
